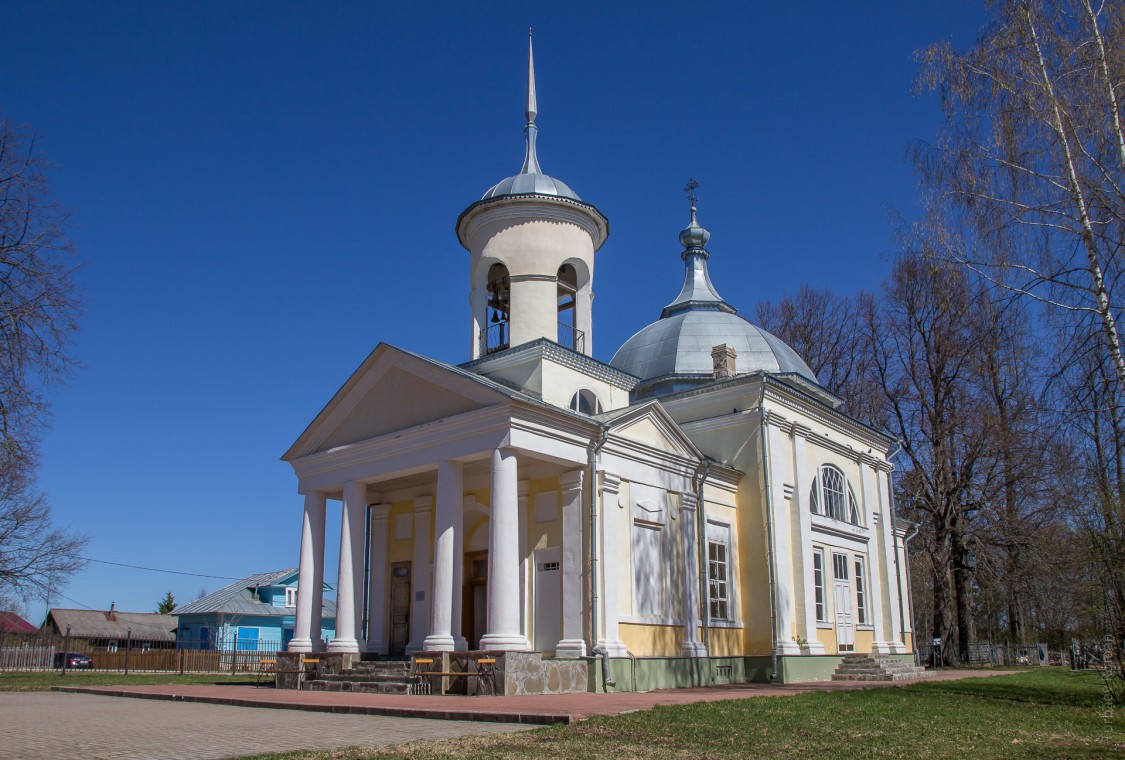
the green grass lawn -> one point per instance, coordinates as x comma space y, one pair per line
43, 681
1041, 714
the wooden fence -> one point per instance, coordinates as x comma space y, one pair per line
38, 654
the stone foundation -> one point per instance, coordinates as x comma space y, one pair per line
513, 673
330, 663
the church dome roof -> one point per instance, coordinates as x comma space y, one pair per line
675, 351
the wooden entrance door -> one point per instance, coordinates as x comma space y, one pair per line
400, 607
845, 631
474, 603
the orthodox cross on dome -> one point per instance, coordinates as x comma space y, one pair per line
690, 189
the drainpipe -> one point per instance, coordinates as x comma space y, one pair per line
701, 475
769, 529
595, 447
910, 596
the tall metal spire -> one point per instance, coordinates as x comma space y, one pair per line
530, 161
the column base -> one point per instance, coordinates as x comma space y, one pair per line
571, 649
300, 645
693, 649
898, 647
438, 643
812, 647
613, 647
881, 647
788, 647
495, 642
347, 646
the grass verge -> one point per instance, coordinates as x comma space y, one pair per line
44, 680
1048, 714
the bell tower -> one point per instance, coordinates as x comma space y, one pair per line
531, 241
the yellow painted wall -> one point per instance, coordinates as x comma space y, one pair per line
864, 641
909, 641
827, 637
724, 642
542, 535
754, 581
403, 549
652, 640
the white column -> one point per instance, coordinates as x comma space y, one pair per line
460, 643
503, 557
572, 644
803, 475
349, 584
875, 582
611, 517
584, 315
887, 552
312, 566
377, 588
691, 646
523, 489
420, 575
449, 496
782, 536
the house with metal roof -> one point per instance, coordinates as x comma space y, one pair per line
256, 613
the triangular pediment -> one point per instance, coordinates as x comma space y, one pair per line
393, 390
651, 425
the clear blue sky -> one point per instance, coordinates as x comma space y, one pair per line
262, 192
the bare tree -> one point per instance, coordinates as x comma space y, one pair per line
38, 313
1032, 153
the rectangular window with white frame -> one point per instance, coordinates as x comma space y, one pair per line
861, 592
818, 585
648, 569
291, 597
718, 572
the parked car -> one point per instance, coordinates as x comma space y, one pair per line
74, 661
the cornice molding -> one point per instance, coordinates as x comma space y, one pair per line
532, 207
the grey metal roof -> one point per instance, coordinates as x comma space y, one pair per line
238, 598
98, 624
680, 342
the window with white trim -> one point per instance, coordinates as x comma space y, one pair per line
585, 401
291, 596
648, 569
861, 591
818, 585
833, 496
718, 571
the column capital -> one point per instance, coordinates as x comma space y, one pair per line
801, 431
523, 488
572, 481
424, 503
689, 501
381, 511
610, 483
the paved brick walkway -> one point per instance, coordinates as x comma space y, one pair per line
538, 709
42, 725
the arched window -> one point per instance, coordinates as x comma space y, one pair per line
494, 334
567, 289
585, 402
832, 496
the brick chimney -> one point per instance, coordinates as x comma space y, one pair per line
722, 359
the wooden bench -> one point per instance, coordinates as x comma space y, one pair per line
486, 670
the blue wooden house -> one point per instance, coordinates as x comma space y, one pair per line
258, 613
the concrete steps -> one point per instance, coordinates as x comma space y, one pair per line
877, 667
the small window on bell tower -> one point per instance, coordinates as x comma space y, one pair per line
495, 335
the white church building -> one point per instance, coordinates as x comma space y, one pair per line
696, 510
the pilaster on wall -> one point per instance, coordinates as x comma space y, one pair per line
377, 632
890, 559
806, 606
611, 518
689, 519
877, 582
420, 574
782, 559
572, 644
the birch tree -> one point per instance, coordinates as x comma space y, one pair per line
1032, 154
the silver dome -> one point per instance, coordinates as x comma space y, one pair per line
529, 184
681, 345
675, 351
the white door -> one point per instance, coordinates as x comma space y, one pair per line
548, 599
845, 632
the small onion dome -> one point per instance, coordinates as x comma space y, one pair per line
674, 352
